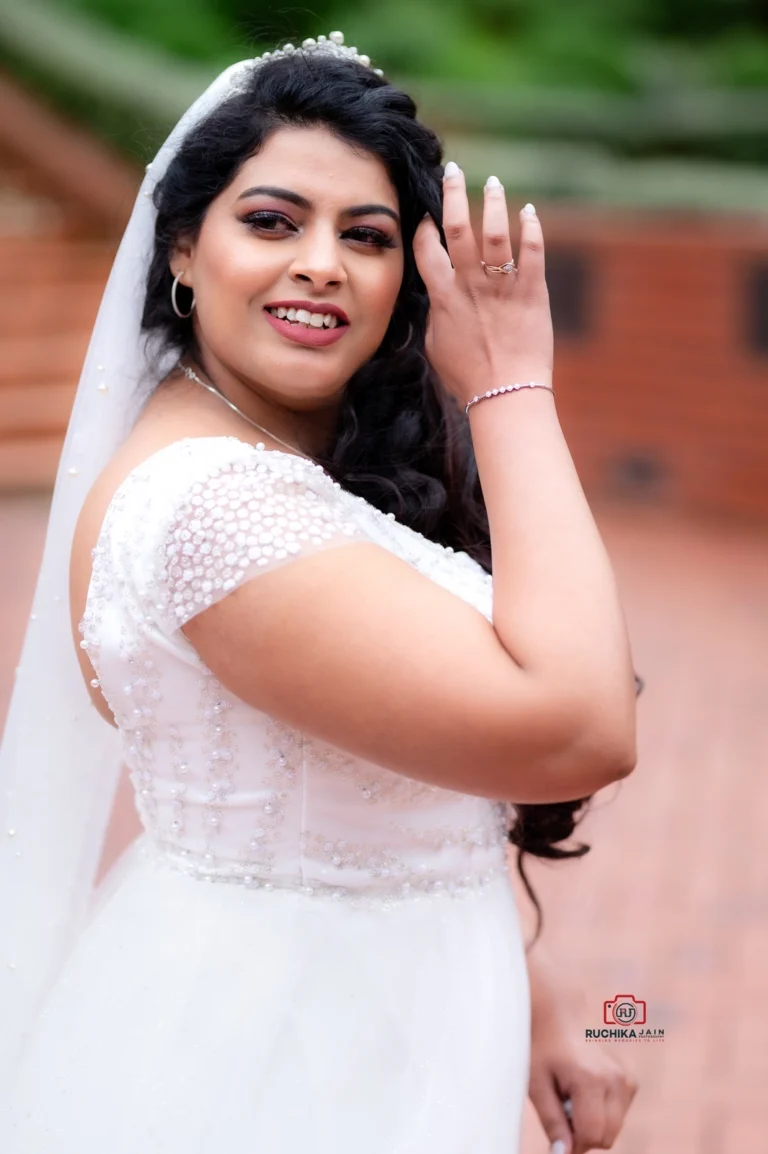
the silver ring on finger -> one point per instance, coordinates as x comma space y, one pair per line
507, 268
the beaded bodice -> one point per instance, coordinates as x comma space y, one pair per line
224, 791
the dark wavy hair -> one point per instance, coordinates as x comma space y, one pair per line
403, 442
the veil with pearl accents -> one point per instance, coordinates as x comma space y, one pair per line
59, 760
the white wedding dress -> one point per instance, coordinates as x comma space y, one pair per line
304, 951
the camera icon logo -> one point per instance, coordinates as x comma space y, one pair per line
624, 1010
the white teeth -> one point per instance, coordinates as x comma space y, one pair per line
305, 317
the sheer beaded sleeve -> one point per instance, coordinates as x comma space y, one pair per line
243, 517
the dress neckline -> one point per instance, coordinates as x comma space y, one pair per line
379, 515
137, 470
219, 437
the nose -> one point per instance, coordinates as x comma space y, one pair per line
318, 261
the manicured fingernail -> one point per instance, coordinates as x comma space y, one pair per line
558, 1147
529, 210
451, 168
493, 182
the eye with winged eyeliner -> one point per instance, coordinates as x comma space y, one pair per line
263, 219
302, 202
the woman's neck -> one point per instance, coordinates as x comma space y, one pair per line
310, 432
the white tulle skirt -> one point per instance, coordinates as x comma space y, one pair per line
195, 1017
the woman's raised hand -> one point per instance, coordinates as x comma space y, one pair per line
486, 329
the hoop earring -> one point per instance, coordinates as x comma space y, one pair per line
174, 303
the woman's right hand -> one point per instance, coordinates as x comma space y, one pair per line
486, 329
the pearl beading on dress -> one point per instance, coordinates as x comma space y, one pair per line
408, 888
227, 794
247, 517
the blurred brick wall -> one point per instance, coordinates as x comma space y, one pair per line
64, 201
50, 288
661, 362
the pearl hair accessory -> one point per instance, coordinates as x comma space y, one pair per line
508, 389
331, 45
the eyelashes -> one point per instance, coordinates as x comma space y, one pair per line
263, 220
372, 235
270, 222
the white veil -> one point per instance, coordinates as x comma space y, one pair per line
59, 760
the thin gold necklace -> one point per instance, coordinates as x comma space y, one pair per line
192, 376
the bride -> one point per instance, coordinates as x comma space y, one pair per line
302, 431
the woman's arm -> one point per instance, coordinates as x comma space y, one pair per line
556, 606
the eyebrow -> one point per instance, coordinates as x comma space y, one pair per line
302, 202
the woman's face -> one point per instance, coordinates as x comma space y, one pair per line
308, 224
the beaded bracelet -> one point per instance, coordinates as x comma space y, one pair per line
509, 389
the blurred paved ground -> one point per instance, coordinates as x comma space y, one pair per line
671, 905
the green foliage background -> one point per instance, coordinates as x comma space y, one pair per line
613, 45
652, 103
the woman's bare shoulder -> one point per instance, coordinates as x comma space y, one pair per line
138, 447
171, 415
